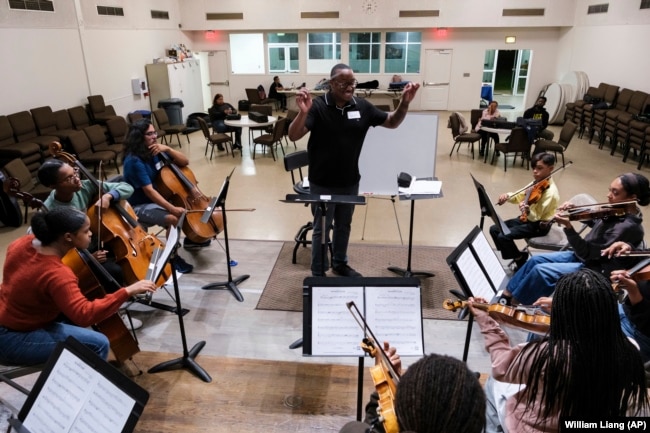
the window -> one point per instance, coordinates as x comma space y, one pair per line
33, 5
323, 51
364, 52
403, 52
283, 52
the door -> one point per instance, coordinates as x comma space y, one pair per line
219, 75
437, 73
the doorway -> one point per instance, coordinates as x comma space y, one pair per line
507, 72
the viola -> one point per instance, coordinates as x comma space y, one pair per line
117, 227
86, 268
179, 186
640, 271
384, 375
529, 318
534, 195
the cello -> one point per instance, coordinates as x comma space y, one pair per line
179, 186
119, 229
87, 270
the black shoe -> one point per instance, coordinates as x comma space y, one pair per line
190, 245
181, 265
519, 262
236, 146
345, 271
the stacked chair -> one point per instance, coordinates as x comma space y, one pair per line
28, 152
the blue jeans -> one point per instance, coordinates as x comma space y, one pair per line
338, 215
35, 347
538, 276
630, 331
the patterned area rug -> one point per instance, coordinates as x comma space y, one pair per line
283, 291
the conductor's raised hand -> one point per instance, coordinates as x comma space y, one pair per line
409, 91
303, 99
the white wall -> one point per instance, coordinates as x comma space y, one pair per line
60, 58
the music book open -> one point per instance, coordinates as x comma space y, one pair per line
391, 307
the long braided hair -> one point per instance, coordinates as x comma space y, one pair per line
585, 367
438, 394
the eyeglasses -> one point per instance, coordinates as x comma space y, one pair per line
344, 85
72, 177
151, 133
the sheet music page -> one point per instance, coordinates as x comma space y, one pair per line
394, 314
334, 330
489, 259
476, 280
76, 398
172, 240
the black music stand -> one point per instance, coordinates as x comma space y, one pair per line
487, 209
187, 360
322, 201
220, 201
408, 272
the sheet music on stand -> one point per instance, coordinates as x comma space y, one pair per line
80, 392
163, 257
391, 307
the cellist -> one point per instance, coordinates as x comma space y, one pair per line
437, 393
141, 166
537, 204
69, 190
37, 288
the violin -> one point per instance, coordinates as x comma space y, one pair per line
118, 228
529, 318
599, 211
533, 195
86, 268
639, 272
179, 186
384, 375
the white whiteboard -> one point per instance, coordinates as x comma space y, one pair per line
410, 148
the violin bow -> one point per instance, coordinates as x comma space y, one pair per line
533, 183
358, 317
99, 208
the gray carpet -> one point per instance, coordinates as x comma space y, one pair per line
283, 291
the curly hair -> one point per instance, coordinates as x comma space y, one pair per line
438, 393
135, 139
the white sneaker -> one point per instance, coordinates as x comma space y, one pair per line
137, 323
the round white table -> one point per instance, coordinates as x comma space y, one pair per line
245, 122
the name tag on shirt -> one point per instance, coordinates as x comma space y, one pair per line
354, 115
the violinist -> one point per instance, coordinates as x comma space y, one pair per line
539, 274
141, 166
68, 190
537, 204
37, 288
535, 384
437, 393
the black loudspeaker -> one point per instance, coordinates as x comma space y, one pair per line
258, 117
244, 105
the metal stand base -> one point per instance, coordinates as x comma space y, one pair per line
187, 361
229, 285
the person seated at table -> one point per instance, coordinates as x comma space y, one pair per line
273, 93
537, 204
37, 288
537, 277
538, 112
437, 393
491, 112
535, 385
218, 113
